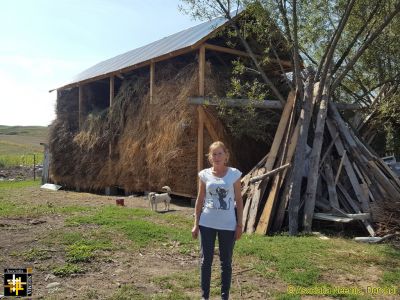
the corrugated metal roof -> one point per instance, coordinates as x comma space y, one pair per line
174, 42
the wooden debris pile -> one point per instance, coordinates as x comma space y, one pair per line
317, 168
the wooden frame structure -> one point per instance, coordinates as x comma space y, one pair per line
201, 100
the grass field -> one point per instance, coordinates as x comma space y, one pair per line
18, 144
112, 252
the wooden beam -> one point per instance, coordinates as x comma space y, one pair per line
209, 126
200, 113
268, 174
266, 218
340, 167
130, 68
330, 182
202, 65
80, 106
200, 141
284, 63
266, 104
348, 167
313, 173
152, 68
112, 87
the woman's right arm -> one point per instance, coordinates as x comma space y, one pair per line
198, 207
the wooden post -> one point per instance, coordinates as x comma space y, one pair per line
294, 186
152, 68
202, 64
111, 90
200, 142
34, 167
315, 156
200, 129
112, 85
80, 113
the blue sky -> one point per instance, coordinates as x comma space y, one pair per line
46, 42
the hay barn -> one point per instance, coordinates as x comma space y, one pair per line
144, 119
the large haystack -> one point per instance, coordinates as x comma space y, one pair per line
152, 145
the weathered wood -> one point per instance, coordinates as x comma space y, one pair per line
200, 141
80, 106
202, 63
270, 214
246, 179
111, 99
330, 182
384, 181
263, 104
152, 70
209, 126
309, 204
269, 209
356, 209
112, 88
329, 217
46, 163
348, 167
389, 171
340, 167
260, 186
268, 174
266, 104
300, 154
328, 151
285, 63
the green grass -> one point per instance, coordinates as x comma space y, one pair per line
141, 226
67, 270
303, 261
128, 292
10, 185
18, 144
35, 254
27, 160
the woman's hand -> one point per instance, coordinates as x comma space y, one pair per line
195, 231
238, 232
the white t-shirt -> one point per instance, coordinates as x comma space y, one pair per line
219, 202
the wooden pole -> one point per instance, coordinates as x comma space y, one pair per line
200, 128
80, 114
202, 63
294, 187
112, 87
315, 156
152, 68
34, 167
111, 99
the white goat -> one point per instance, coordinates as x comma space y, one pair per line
155, 198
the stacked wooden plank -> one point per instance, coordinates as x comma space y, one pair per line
337, 179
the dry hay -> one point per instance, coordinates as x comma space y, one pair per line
386, 215
152, 144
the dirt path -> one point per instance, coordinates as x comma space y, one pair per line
27, 241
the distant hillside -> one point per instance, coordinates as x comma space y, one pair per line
17, 140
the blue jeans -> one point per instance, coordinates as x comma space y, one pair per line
226, 241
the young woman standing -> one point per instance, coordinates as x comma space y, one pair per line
219, 191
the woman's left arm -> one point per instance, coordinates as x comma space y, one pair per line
239, 208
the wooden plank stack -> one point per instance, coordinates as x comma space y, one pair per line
338, 180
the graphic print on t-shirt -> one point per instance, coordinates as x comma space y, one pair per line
219, 200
